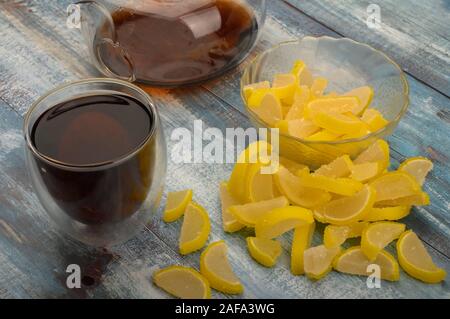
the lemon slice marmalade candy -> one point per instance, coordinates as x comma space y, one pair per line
378, 235
318, 261
259, 186
176, 205
416, 261
341, 186
418, 167
395, 185
366, 171
377, 152
291, 165
336, 235
195, 229
338, 123
340, 167
284, 86
374, 119
289, 185
301, 241
249, 214
248, 89
318, 86
270, 109
182, 282
364, 95
264, 251
216, 268
303, 75
301, 97
252, 154
347, 210
338, 105
353, 261
281, 220
387, 213
418, 199
256, 97
299, 128
229, 222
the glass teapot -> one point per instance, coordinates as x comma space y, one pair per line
170, 43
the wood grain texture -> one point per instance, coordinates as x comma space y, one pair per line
40, 52
415, 33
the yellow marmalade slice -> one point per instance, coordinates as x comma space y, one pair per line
318, 261
341, 186
289, 185
301, 241
395, 185
195, 229
340, 167
336, 235
347, 210
249, 214
376, 236
416, 261
264, 251
364, 95
176, 205
281, 220
229, 222
182, 282
216, 268
353, 261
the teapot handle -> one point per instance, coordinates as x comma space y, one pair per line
98, 29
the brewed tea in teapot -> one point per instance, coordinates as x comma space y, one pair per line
176, 42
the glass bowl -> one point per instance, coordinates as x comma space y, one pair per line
106, 203
346, 64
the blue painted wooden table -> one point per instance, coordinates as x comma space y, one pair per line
38, 52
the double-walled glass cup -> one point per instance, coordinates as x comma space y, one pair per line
106, 203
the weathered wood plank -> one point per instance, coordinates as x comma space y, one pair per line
414, 33
32, 44
126, 269
22, 224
